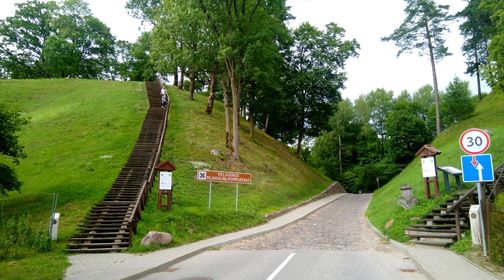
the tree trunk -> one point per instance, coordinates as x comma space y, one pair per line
266, 123
236, 93
251, 117
182, 77
175, 77
251, 124
300, 142
211, 95
225, 91
339, 154
476, 62
434, 78
192, 78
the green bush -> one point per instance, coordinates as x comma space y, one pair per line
20, 237
497, 231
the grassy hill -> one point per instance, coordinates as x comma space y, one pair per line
80, 134
489, 115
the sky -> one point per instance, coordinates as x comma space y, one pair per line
367, 21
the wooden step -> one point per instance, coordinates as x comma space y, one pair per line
98, 245
101, 239
110, 233
97, 250
419, 233
425, 229
433, 242
443, 220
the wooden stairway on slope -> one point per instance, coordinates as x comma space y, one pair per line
111, 223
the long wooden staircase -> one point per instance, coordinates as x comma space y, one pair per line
449, 222
110, 224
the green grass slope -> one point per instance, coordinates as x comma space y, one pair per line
384, 206
80, 134
279, 179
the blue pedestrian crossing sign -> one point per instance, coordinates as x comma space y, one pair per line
477, 168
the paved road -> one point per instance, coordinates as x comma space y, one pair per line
334, 242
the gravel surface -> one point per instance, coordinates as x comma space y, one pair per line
341, 225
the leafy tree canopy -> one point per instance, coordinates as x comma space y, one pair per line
10, 124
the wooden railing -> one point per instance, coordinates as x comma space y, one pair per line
456, 207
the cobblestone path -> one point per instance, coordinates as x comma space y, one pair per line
340, 225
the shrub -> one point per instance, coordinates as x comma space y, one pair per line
20, 237
497, 231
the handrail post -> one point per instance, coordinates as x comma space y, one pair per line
457, 223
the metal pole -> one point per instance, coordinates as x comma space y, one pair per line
210, 196
236, 198
482, 225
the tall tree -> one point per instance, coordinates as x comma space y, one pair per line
10, 124
475, 29
316, 61
457, 93
23, 38
144, 10
238, 25
341, 123
406, 131
82, 45
423, 29
380, 103
494, 70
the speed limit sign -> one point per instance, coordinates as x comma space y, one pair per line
474, 141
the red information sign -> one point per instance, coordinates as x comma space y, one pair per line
225, 177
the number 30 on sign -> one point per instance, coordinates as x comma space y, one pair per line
474, 141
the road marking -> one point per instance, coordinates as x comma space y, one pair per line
280, 267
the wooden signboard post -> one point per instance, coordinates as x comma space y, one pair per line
429, 170
165, 169
223, 177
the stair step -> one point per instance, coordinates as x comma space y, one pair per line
418, 233
432, 242
98, 238
425, 229
97, 250
445, 220
110, 233
109, 229
99, 245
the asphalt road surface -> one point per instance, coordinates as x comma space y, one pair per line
334, 242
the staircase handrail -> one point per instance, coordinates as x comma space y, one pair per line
462, 199
496, 182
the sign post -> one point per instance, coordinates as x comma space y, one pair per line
165, 169
223, 177
428, 155
477, 167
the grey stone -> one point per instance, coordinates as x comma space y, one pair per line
155, 237
407, 199
199, 164
215, 152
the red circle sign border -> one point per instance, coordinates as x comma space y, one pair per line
470, 130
